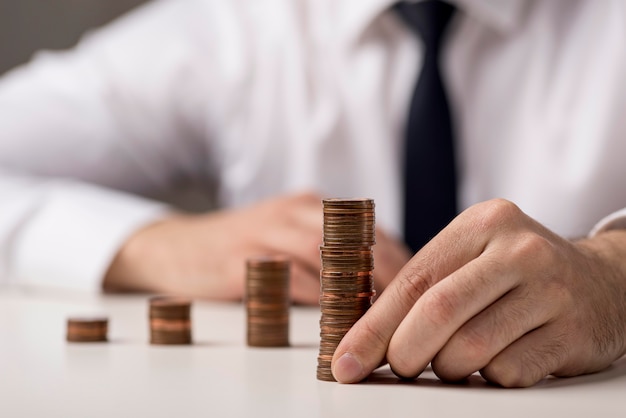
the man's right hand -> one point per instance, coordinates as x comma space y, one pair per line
204, 255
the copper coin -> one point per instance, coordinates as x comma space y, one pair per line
267, 301
160, 324
85, 329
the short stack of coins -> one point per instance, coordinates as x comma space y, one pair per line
347, 284
267, 301
87, 330
170, 321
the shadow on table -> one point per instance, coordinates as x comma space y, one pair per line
208, 343
305, 346
384, 376
195, 343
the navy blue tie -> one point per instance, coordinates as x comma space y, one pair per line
429, 172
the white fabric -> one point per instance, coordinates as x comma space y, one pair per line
262, 97
616, 220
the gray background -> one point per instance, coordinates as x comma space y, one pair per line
29, 25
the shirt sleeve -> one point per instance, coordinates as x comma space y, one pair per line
616, 220
59, 233
84, 133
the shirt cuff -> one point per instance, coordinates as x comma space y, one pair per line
616, 220
71, 240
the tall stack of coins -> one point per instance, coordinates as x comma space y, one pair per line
170, 321
346, 276
267, 301
83, 330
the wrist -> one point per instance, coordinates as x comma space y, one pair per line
608, 249
141, 264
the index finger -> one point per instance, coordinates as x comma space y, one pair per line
363, 348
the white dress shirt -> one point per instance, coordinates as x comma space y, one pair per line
263, 97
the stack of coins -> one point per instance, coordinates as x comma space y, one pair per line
346, 275
84, 330
170, 321
267, 301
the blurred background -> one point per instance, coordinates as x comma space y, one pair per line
27, 26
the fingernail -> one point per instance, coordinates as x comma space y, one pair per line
348, 369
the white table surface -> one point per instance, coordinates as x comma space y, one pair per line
219, 376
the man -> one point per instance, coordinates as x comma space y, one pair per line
267, 99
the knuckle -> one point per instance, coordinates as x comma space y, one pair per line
411, 283
465, 353
315, 197
543, 360
308, 197
438, 307
400, 360
505, 374
529, 367
374, 350
531, 248
472, 345
504, 207
496, 212
374, 336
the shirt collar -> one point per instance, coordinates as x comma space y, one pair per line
502, 15
355, 16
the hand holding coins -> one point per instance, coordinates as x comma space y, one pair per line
347, 287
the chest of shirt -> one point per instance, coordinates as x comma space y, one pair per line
537, 112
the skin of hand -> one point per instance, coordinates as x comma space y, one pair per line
204, 255
496, 292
